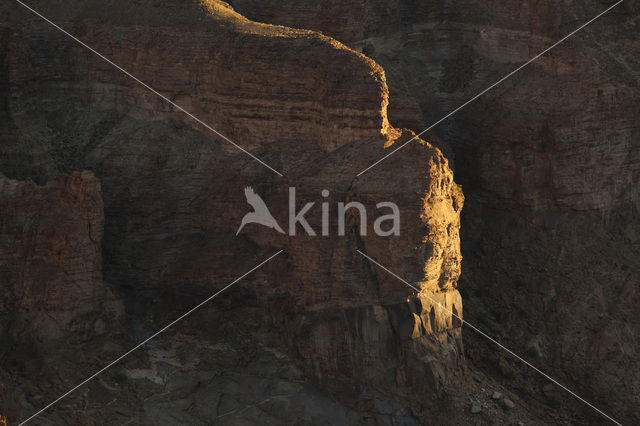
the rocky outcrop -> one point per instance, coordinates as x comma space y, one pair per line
537, 150
53, 298
549, 162
199, 56
347, 21
51, 261
173, 195
347, 313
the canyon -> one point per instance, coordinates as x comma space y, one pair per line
549, 163
119, 212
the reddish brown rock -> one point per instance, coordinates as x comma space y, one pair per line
173, 198
201, 57
347, 21
53, 298
549, 163
51, 260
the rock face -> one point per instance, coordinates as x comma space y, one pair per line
199, 56
51, 261
549, 161
347, 21
53, 298
173, 200
338, 291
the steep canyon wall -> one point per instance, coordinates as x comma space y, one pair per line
549, 161
172, 195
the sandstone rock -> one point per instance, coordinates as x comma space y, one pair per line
547, 162
347, 21
203, 69
52, 287
173, 194
51, 260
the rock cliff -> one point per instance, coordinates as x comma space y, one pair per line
317, 318
549, 163
200, 56
53, 296
51, 257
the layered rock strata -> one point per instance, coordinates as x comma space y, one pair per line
51, 261
53, 300
549, 162
173, 193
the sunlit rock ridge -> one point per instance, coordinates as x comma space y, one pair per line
171, 195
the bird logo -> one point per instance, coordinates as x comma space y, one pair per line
260, 213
